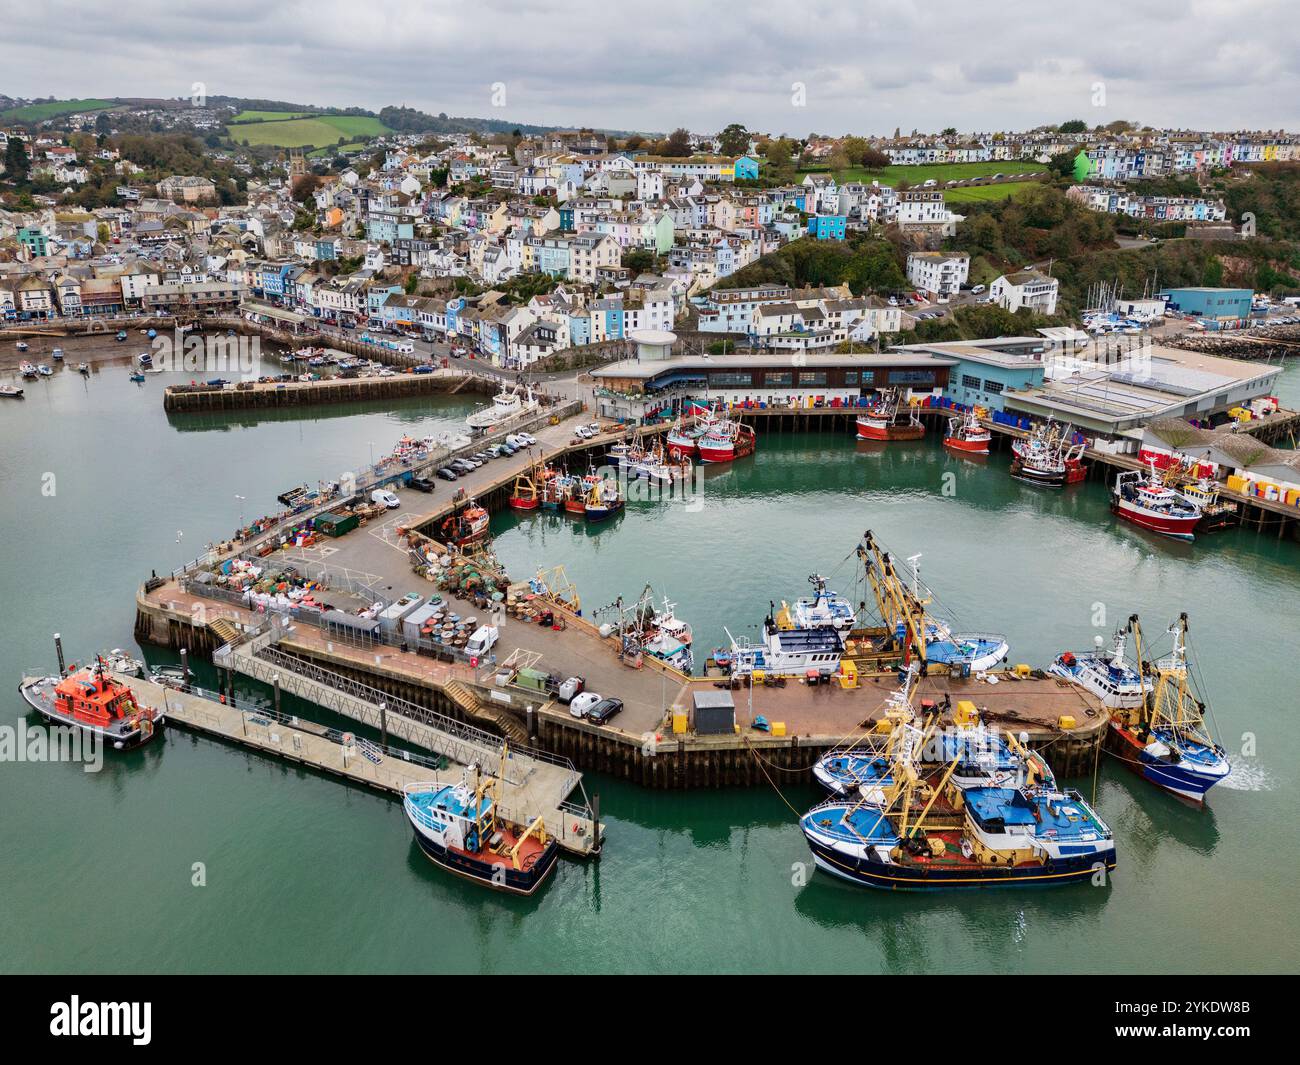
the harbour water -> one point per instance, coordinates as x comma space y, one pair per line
301, 873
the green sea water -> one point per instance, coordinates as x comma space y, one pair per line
303, 873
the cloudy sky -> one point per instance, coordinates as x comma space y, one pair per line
865, 66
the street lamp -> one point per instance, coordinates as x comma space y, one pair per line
240, 499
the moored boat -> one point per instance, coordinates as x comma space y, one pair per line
524, 495
22, 345
11, 392
1105, 673
57, 354
1141, 498
1165, 739
461, 828
507, 404
889, 418
44, 370
668, 637
726, 440
466, 526
603, 501
92, 700
968, 435
1047, 457
914, 831
27, 369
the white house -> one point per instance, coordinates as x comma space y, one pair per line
1025, 288
939, 274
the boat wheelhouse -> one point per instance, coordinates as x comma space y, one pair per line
1105, 673
824, 609
788, 652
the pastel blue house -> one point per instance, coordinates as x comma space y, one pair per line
827, 226
746, 168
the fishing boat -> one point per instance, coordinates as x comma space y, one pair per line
620, 454
824, 609
1105, 673
121, 335
94, 701
725, 440
787, 652
467, 526
968, 435
461, 828
1165, 739
668, 471
525, 495
27, 369
144, 359
1203, 493
684, 441
10, 392
603, 501
1140, 497
579, 490
919, 832
56, 354
22, 345
507, 404
137, 377
44, 370
1047, 457
915, 629
888, 418
983, 756
668, 637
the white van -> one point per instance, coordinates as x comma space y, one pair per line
385, 498
481, 642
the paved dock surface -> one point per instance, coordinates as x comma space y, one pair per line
528, 790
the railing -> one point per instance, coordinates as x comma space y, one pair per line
466, 742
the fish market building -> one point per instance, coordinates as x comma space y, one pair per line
646, 389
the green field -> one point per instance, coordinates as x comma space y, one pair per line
341, 149
987, 193
319, 131
269, 116
40, 112
940, 172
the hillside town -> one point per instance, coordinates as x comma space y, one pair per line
522, 247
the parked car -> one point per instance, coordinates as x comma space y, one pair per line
604, 710
584, 433
447, 474
463, 466
977, 289
594, 427
582, 702
385, 498
508, 449
421, 484
496, 451
528, 439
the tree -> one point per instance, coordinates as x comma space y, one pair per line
874, 159
734, 140
16, 162
678, 144
1075, 125
634, 141
951, 131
